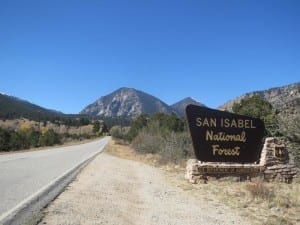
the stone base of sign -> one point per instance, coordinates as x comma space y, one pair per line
278, 164
275, 165
197, 171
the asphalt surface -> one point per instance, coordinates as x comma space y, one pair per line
23, 174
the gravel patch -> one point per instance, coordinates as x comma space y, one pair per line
116, 191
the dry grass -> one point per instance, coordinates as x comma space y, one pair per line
259, 190
263, 203
123, 150
260, 202
283, 208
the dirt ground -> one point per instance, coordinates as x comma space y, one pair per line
117, 191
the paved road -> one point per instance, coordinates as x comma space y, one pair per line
23, 174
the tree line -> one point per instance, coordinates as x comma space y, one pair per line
24, 139
28, 136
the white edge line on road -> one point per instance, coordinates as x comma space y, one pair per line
37, 195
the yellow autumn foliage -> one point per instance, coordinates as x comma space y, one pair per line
26, 127
44, 130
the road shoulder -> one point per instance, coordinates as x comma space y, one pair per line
113, 190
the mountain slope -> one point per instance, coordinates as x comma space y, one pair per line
12, 107
126, 102
179, 107
279, 97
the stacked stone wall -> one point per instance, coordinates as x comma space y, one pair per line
279, 164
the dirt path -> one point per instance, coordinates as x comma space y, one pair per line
113, 190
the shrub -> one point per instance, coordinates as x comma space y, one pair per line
257, 107
168, 122
99, 128
4, 140
117, 132
165, 123
50, 138
177, 147
16, 141
148, 140
172, 146
260, 190
136, 126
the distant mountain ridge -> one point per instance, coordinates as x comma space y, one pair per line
129, 102
279, 97
124, 102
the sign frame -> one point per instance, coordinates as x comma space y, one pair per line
220, 136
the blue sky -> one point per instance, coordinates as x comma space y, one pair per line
64, 54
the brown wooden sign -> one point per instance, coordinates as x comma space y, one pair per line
220, 136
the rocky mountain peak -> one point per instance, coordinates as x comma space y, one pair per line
127, 102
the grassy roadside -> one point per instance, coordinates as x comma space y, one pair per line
262, 203
126, 152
